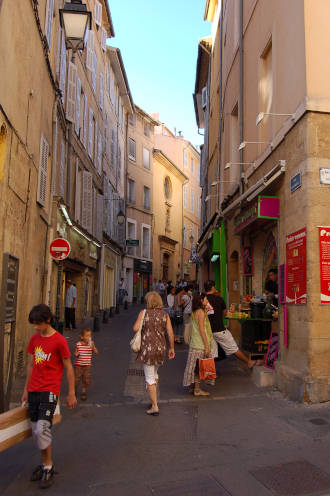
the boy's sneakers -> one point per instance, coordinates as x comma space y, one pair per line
47, 478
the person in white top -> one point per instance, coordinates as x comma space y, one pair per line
70, 305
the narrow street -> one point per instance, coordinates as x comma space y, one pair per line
242, 441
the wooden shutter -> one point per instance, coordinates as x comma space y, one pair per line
98, 13
90, 50
58, 51
43, 171
77, 205
95, 143
55, 158
94, 73
101, 95
71, 93
110, 202
119, 164
49, 21
85, 121
99, 153
99, 219
107, 78
106, 134
94, 212
87, 201
90, 133
104, 39
112, 148
63, 66
105, 206
78, 93
62, 170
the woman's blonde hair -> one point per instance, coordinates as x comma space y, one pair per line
153, 300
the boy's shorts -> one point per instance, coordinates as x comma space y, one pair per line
83, 374
42, 406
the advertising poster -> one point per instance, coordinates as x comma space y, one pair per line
296, 268
324, 242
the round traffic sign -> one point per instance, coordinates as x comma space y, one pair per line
60, 248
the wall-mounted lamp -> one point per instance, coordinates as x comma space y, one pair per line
218, 182
228, 164
261, 115
209, 197
244, 143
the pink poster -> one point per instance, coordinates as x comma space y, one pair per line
324, 242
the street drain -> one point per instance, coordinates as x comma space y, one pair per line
135, 372
318, 421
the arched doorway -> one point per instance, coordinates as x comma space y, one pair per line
166, 259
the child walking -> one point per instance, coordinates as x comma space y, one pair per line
83, 351
48, 355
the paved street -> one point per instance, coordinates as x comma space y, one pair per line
243, 441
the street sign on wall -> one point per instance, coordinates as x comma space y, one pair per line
60, 248
132, 242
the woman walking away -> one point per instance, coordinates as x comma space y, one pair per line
200, 344
153, 344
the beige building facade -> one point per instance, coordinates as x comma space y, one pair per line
187, 159
271, 142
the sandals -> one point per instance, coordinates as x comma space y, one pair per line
200, 392
154, 414
83, 396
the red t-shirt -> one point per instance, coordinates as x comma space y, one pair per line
48, 354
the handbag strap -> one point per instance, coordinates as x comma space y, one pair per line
141, 323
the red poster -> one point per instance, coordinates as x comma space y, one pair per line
324, 242
296, 268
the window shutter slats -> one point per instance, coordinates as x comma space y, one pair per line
90, 50
43, 171
94, 73
71, 93
96, 143
78, 93
87, 201
63, 66
58, 51
62, 170
99, 153
85, 121
101, 90
104, 39
98, 13
49, 21
112, 148
90, 133
77, 206
99, 220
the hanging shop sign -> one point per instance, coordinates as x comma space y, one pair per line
261, 209
142, 265
324, 243
247, 261
296, 289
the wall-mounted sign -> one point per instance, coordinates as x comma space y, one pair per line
60, 249
296, 292
324, 243
295, 182
132, 242
263, 208
142, 265
324, 175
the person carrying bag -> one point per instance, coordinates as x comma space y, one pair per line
135, 342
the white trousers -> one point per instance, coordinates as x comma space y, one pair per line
151, 374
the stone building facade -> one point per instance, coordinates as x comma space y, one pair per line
272, 147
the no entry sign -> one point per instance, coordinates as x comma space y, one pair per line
60, 249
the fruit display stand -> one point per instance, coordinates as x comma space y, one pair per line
255, 333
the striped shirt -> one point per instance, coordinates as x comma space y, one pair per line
85, 354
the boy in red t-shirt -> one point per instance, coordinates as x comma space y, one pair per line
48, 355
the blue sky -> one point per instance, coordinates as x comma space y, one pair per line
158, 40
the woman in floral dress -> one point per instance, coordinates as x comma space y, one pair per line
153, 344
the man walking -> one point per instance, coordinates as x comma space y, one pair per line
70, 305
222, 335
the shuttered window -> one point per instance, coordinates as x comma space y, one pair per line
98, 13
62, 170
77, 205
99, 153
106, 134
185, 196
90, 50
71, 93
90, 133
146, 199
131, 191
146, 158
131, 149
107, 78
119, 164
58, 51
85, 120
101, 95
113, 155
104, 39
99, 219
96, 143
94, 73
63, 66
78, 94
109, 209
43, 171
87, 201
49, 21
112, 87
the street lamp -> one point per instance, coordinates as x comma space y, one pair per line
121, 217
244, 143
75, 19
261, 115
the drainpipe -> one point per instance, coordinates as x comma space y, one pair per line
241, 94
220, 170
182, 245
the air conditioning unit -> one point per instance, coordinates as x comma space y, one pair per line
204, 97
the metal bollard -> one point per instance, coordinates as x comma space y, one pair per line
125, 305
117, 308
111, 312
97, 323
105, 316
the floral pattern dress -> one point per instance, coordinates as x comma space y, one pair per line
153, 343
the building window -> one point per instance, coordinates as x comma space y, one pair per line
192, 168
167, 188
146, 198
185, 158
132, 120
266, 92
146, 129
145, 241
131, 191
185, 236
185, 196
146, 158
192, 201
131, 149
131, 234
199, 207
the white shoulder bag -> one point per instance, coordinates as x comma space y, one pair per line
135, 342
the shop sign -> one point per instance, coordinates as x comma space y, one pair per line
142, 265
324, 243
296, 289
324, 175
264, 207
295, 182
132, 242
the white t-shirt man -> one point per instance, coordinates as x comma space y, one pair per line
71, 294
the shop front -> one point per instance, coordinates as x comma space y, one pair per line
142, 279
255, 306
